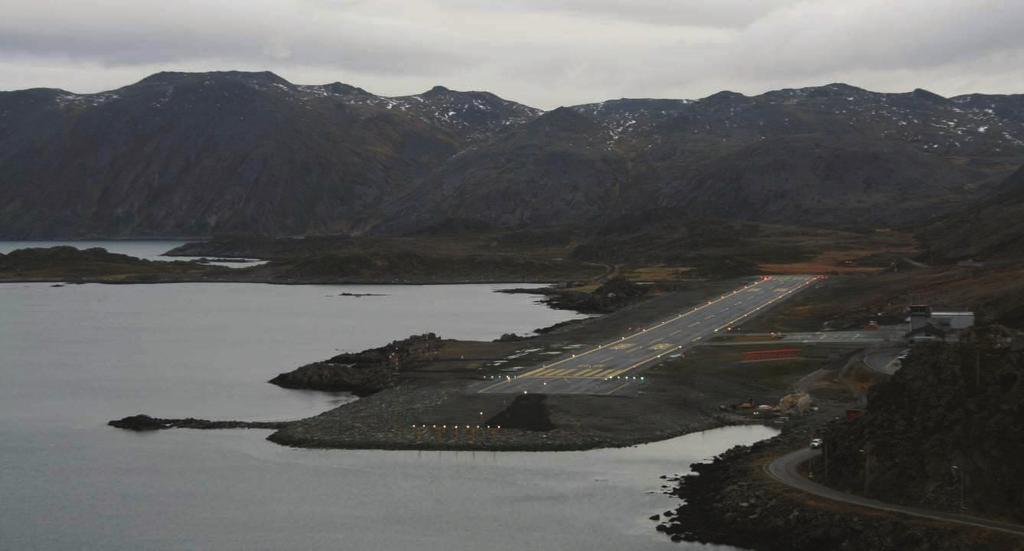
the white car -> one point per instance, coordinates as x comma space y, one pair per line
816, 443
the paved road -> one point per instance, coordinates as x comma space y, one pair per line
614, 367
884, 360
819, 337
846, 337
785, 470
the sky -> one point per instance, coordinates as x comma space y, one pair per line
543, 53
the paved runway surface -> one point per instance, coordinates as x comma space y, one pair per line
615, 367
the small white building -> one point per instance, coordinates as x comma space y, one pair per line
953, 319
946, 320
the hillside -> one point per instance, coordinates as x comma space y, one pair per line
201, 154
945, 432
97, 265
991, 229
833, 156
195, 154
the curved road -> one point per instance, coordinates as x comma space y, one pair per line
785, 470
883, 360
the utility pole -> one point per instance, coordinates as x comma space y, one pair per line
963, 490
977, 367
824, 452
866, 466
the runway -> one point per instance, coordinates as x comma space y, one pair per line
616, 367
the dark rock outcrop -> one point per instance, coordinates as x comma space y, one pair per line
145, 423
610, 296
363, 373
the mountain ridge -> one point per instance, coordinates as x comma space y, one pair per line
199, 154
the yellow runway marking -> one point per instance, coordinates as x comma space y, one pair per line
537, 372
616, 372
618, 388
488, 387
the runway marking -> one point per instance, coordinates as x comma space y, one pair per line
612, 372
618, 388
488, 387
670, 320
597, 371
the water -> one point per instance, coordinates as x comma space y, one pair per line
146, 250
73, 357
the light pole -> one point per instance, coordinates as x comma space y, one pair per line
961, 479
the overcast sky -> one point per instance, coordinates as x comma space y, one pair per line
541, 52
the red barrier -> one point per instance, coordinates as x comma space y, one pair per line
780, 354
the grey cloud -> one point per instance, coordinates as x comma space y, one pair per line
837, 35
718, 13
120, 33
546, 53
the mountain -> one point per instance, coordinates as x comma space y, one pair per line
470, 115
552, 170
181, 154
196, 154
833, 155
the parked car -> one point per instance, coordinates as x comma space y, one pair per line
816, 443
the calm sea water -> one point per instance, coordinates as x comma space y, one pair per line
73, 357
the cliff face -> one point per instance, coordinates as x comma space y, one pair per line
947, 431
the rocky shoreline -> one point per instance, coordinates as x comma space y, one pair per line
363, 373
145, 423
